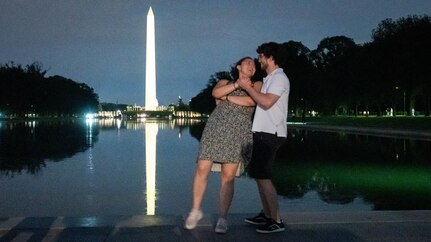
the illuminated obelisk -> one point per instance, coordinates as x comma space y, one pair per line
150, 71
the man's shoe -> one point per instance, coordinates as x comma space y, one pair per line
271, 227
193, 219
221, 227
259, 219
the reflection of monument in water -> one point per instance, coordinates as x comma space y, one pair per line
151, 130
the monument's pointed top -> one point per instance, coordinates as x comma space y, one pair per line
150, 12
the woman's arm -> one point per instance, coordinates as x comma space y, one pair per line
223, 88
245, 100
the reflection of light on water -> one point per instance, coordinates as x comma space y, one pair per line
31, 125
118, 121
90, 164
151, 130
90, 167
89, 138
89, 134
151, 127
88, 221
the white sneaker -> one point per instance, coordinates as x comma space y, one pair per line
193, 219
221, 227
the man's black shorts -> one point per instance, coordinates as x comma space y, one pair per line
265, 147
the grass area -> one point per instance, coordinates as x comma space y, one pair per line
400, 122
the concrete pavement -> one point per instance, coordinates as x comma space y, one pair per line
381, 132
316, 226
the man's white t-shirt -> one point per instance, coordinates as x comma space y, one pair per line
273, 120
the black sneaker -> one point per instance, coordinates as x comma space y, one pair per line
259, 219
271, 227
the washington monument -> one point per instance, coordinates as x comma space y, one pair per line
150, 71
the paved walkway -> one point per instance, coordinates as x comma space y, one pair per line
322, 226
383, 132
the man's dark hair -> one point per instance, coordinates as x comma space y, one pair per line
272, 49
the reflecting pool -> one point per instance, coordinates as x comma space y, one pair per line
119, 167
386, 173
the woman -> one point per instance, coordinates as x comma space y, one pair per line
226, 143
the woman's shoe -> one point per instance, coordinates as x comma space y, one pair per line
193, 219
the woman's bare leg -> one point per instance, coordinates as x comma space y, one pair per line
227, 182
200, 182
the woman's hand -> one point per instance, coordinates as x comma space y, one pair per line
223, 88
235, 85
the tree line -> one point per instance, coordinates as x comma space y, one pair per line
389, 74
26, 91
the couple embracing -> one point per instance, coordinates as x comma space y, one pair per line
231, 141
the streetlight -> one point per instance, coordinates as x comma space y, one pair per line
396, 98
303, 110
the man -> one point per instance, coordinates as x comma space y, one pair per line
269, 132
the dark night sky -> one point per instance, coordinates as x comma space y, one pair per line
102, 42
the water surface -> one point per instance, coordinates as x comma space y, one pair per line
113, 167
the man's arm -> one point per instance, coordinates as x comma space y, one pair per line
263, 100
245, 100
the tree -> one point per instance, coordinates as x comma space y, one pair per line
341, 77
27, 90
302, 75
204, 102
332, 60
403, 52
